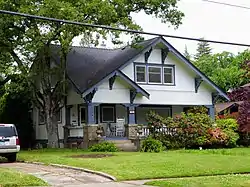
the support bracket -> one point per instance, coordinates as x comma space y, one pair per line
88, 98
164, 54
215, 96
111, 82
132, 95
147, 54
198, 81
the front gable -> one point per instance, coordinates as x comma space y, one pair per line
162, 68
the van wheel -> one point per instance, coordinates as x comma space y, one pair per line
11, 158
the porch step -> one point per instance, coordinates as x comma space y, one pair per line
124, 145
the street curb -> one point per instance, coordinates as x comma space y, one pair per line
74, 168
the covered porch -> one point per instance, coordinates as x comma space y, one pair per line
117, 121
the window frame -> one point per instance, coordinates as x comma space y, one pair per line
114, 113
41, 113
145, 75
152, 66
161, 66
172, 75
80, 114
60, 113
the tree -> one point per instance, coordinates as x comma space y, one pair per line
28, 41
203, 49
225, 69
186, 53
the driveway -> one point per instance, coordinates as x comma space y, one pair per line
56, 176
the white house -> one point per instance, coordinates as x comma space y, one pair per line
116, 88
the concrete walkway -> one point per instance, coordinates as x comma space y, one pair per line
58, 177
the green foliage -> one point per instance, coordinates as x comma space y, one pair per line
203, 50
230, 128
25, 43
225, 69
104, 147
151, 145
192, 130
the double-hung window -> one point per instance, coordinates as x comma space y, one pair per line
140, 74
154, 75
168, 77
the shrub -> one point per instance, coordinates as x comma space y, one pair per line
151, 145
104, 147
230, 128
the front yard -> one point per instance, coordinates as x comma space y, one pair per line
13, 178
136, 165
218, 181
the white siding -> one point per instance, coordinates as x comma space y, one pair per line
155, 56
119, 94
41, 133
129, 71
74, 98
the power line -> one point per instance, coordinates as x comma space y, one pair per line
227, 4
117, 29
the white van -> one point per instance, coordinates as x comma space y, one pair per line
9, 142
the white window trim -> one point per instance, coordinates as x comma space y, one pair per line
159, 67
80, 113
103, 107
163, 75
145, 76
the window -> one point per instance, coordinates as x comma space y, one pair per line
141, 74
168, 75
154, 74
41, 117
108, 114
83, 115
59, 116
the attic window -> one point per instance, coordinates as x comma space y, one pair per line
141, 74
154, 75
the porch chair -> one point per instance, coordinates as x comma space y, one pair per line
120, 127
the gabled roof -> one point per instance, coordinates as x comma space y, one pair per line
219, 107
87, 67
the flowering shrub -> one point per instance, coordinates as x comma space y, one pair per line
191, 130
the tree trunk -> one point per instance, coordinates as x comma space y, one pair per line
52, 130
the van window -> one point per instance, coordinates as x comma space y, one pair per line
8, 131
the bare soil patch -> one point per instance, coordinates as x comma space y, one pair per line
91, 156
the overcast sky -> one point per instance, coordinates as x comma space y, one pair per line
208, 20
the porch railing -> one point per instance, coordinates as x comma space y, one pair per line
147, 130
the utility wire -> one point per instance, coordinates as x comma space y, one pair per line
118, 29
227, 4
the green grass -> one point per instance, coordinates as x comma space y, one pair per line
215, 181
12, 178
136, 165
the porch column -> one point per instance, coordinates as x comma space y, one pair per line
211, 111
91, 113
131, 114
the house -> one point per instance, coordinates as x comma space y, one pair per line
115, 88
232, 108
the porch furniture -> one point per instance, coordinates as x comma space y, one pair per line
120, 127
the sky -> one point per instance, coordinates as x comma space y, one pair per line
204, 19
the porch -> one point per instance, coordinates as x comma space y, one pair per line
116, 121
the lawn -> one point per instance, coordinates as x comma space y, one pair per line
136, 165
216, 181
12, 178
